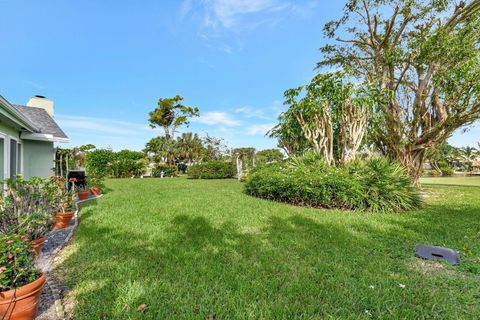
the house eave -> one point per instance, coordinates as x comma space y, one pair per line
13, 115
44, 137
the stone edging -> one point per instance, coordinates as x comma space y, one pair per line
51, 282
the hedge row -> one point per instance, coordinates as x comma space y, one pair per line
214, 169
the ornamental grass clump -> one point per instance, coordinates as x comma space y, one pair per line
368, 185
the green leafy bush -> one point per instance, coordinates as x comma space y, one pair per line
98, 161
128, 163
447, 171
16, 262
373, 185
214, 169
27, 207
430, 173
169, 170
122, 164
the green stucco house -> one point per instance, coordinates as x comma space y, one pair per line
27, 137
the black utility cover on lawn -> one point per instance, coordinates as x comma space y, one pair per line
437, 253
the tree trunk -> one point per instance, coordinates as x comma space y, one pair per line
413, 161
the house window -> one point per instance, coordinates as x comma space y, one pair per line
13, 158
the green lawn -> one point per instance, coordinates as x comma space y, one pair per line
190, 248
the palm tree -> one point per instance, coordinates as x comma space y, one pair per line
189, 147
469, 155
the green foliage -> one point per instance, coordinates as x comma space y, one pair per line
98, 161
95, 181
127, 164
171, 114
122, 164
27, 207
16, 262
214, 148
426, 54
267, 156
430, 173
373, 185
169, 170
447, 171
289, 134
213, 169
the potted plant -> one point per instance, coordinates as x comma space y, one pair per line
95, 181
65, 203
20, 282
26, 209
82, 192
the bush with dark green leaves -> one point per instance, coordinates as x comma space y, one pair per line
169, 170
16, 262
214, 169
367, 185
98, 161
122, 164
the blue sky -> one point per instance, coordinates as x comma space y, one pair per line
106, 63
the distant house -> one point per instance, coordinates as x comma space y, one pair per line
476, 165
27, 137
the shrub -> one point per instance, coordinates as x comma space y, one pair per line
98, 161
16, 262
128, 163
122, 164
447, 171
214, 169
27, 207
374, 184
169, 170
430, 173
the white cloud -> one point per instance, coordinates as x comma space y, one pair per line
36, 85
222, 20
100, 125
250, 112
229, 12
261, 129
217, 118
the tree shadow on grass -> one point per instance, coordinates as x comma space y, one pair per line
290, 268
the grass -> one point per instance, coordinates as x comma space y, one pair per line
193, 248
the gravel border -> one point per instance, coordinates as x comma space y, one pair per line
51, 304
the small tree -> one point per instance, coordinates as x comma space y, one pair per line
332, 114
268, 155
171, 114
289, 134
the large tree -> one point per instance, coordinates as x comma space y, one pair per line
171, 114
426, 55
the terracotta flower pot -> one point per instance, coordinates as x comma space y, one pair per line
96, 191
22, 303
62, 220
37, 245
83, 195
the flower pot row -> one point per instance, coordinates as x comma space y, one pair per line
22, 237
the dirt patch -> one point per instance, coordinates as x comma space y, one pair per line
434, 268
